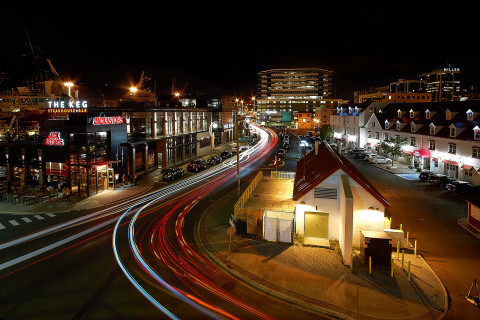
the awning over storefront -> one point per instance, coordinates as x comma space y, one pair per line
454, 163
466, 166
407, 152
435, 159
421, 153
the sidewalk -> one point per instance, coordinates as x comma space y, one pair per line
105, 198
316, 278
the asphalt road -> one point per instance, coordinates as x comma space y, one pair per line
430, 216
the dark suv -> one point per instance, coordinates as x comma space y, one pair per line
197, 165
425, 175
440, 180
171, 174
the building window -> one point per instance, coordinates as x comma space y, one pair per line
432, 130
427, 114
435, 163
385, 136
398, 125
431, 145
386, 124
476, 152
448, 115
476, 134
411, 113
369, 135
469, 115
468, 172
412, 141
412, 127
453, 131
399, 113
452, 148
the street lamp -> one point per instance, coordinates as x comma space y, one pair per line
213, 125
133, 90
69, 85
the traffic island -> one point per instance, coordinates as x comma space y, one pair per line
317, 279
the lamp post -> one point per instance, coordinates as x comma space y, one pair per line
212, 126
69, 85
238, 148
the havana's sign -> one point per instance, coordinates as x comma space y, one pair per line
107, 120
54, 139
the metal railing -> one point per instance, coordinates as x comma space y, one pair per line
246, 194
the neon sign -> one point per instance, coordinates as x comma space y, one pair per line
70, 106
107, 120
54, 139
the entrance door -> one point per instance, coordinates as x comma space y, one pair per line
270, 229
316, 224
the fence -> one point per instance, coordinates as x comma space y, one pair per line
282, 175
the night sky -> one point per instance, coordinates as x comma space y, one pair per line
220, 49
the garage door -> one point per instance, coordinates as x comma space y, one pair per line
270, 229
316, 224
285, 230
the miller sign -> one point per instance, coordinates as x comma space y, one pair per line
54, 139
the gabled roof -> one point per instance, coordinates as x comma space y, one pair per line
320, 166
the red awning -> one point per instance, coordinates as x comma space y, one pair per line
466, 166
435, 159
407, 152
454, 163
422, 153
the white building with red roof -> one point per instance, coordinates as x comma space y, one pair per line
335, 201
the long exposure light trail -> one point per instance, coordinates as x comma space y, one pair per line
188, 265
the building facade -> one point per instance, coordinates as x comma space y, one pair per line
284, 91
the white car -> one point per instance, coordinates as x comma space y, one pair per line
369, 156
377, 160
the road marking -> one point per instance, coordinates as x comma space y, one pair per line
39, 217
14, 223
50, 215
2, 226
27, 220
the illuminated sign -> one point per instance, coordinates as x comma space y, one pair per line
67, 106
54, 139
107, 120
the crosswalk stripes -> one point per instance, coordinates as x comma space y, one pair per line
16, 223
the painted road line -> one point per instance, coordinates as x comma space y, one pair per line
27, 220
50, 215
2, 226
39, 217
14, 223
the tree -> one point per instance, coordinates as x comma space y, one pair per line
326, 131
393, 146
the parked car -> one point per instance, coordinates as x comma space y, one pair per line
425, 175
462, 187
214, 160
377, 160
286, 146
197, 165
281, 153
172, 174
244, 148
359, 155
226, 154
440, 180
286, 139
371, 156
